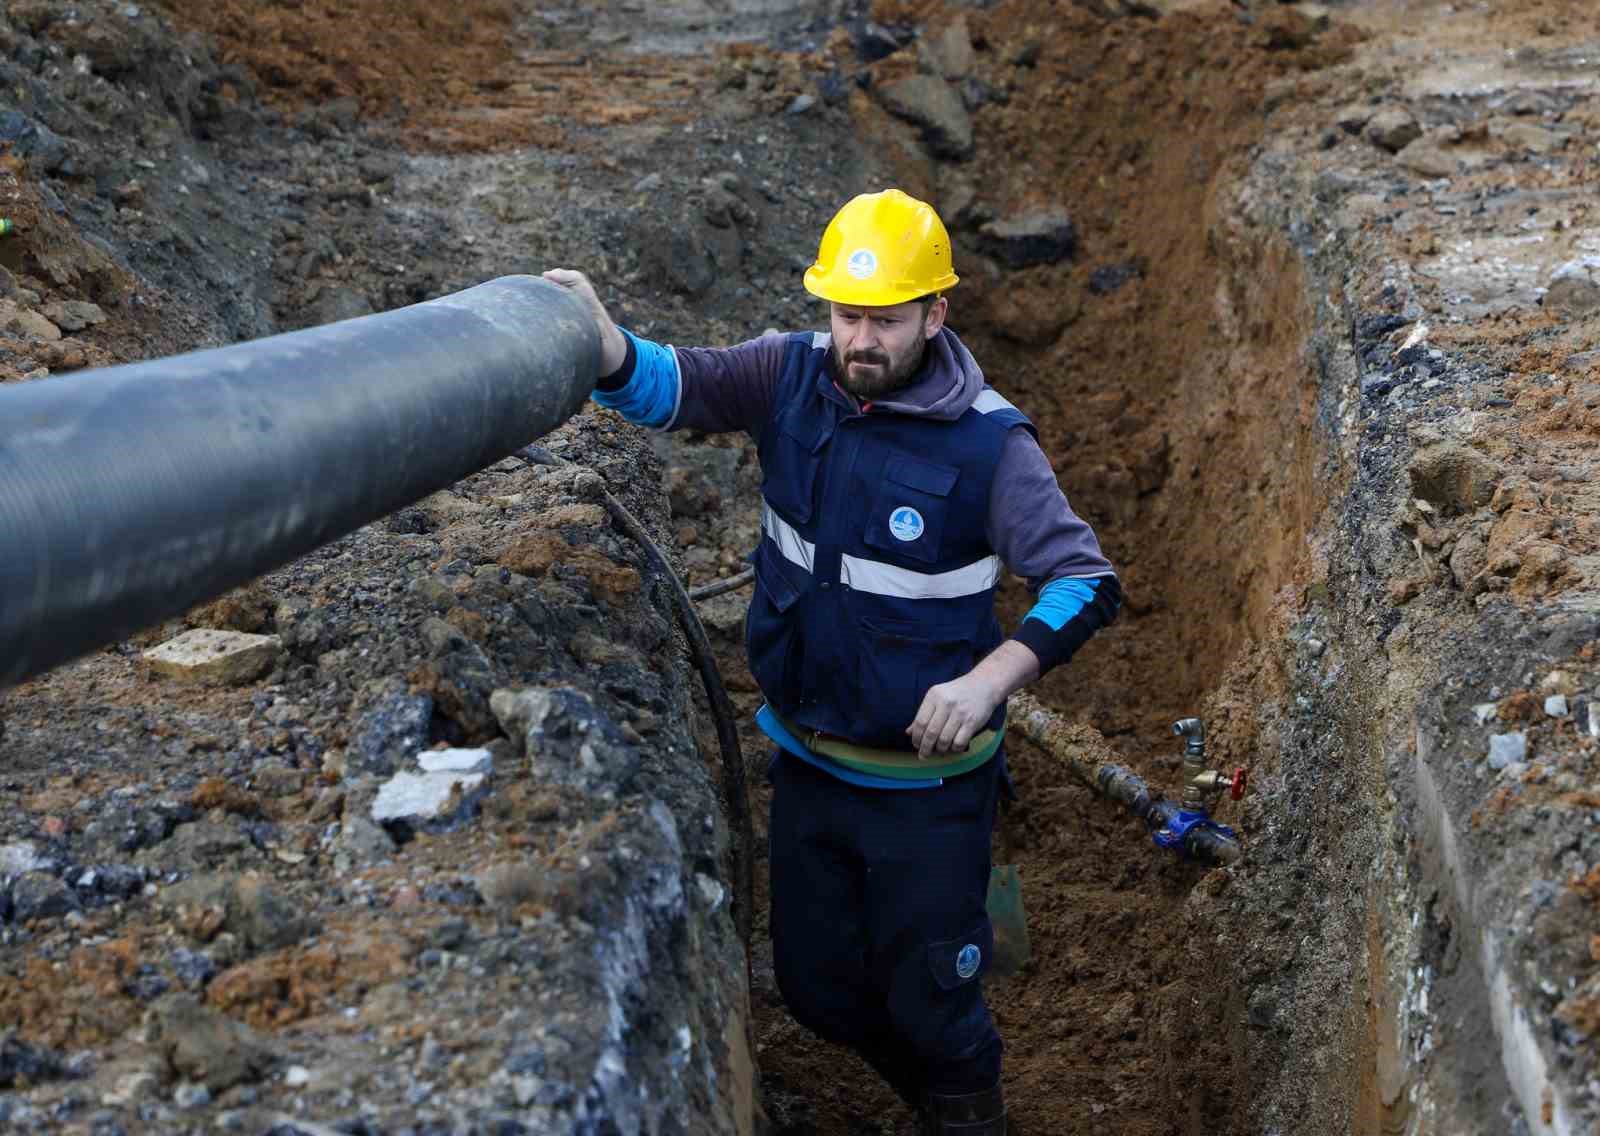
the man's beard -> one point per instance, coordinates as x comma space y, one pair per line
887, 374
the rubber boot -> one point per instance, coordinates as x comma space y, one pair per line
973, 1114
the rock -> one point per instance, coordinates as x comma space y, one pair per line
1484, 712
1453, 477
1427, 157
1594, 715
74, 315
44, 149
391, 730
1393, 129
1036, 238
800, 104
949, 53
39, 895
274, 779
457, 761
203, 1045
363, 842
929, 102
1556, 706
1574, 289
430, 801
296, 1076
508, 886
1108, 278
1528, 138
434, 593
215, 658
567, 739
260, 916
189, 1095
22, 856
1468, 558
1507, 748
19, 321
192, 968
23, 1064
1353, 118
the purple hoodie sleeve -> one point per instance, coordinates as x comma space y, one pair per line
1034, 531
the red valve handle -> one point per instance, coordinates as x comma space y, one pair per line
1236, 786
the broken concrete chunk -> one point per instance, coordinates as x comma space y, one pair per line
432, 801
1556, 706
217, 658
1035, 238
1393, 129
1507, 748
934, 105
457, 761
1574, 289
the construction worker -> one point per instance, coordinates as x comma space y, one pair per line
895, 483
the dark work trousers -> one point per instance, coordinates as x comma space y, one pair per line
880, 934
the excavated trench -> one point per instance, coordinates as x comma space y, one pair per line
1169, 373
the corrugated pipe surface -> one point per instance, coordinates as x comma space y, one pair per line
129, 494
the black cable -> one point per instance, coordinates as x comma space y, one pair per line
733, 782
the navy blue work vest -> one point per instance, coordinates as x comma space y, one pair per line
874, 576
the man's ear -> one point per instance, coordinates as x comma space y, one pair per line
934, 320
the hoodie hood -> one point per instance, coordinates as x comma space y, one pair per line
945, 386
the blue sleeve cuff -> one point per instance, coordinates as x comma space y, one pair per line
1067, 614
650, 396
1060, 600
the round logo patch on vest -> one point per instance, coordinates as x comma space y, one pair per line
905, 523
967, 961
862, 263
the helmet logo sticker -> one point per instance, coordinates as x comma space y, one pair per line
862, 263
905, 523
967, 961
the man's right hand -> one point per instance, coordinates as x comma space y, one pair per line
613, 347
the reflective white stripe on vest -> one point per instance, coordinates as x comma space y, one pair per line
883, 579
796, 549
887, 580
990, 400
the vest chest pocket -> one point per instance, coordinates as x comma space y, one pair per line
898, 661
792, 459
910, 508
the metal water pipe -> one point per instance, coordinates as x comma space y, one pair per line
131, 493
1088, 757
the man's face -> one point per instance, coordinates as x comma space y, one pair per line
877, 350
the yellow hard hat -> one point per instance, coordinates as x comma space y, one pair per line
882, 249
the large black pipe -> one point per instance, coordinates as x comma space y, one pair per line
129, 494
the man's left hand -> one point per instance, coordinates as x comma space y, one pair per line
951, 713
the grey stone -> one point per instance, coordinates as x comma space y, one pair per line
39, 895
1393, 129
949, 53
74, 315
1427, 157
257, 913
1504, 749
29, 1064
44, 149
189, 1095
567, 739
801, 103
363, 841
1035, 238
1352, 118
391, 730
1594, 715
929, 102
1574, 288
649, 183
205, 1046
1556, 706
1484, 711
432, 801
